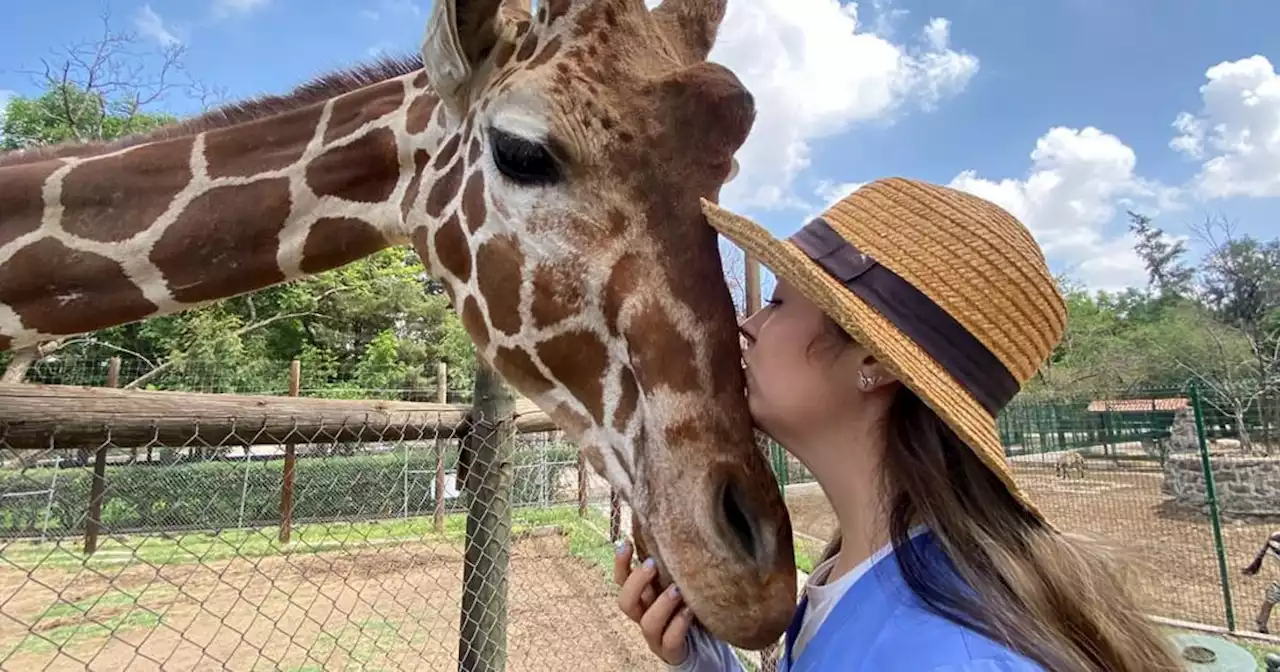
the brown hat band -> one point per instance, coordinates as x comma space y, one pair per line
970, 362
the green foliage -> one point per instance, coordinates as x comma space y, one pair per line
208, 495
66, 112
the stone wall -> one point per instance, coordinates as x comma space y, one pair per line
1244, 485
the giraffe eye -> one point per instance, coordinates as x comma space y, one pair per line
523, 161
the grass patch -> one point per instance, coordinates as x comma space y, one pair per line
98, 617
206, 547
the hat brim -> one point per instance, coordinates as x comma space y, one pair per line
910, 364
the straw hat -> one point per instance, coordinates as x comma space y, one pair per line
947, 290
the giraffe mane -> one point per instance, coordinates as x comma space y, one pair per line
319, 89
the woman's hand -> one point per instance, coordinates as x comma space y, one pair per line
664, 619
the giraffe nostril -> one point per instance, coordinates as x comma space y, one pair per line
738, 519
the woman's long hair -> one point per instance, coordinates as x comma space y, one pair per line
1055, 598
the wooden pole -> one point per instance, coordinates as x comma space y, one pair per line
37, 417
99, 485
442, 396
582, 484
753, 284
482, 644
290, 460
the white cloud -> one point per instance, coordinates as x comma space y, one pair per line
1080, 180
815, 71
392, 7
1237, 132
226, 7
151, 25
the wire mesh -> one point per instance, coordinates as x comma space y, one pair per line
192, 564
190, 569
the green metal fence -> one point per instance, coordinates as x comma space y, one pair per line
1167, 476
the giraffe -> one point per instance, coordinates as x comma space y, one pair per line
547, 169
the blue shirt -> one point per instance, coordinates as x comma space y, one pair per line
878, 625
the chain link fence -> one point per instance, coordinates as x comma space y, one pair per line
294, 542
144, 530
1183, 487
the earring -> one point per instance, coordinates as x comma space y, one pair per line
867, 381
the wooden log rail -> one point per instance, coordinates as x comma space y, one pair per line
35, 417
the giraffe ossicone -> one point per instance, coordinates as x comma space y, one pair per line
547, 169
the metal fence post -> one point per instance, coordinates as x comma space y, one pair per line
1212, 497
482, 641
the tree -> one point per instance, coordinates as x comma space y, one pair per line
1162, 258
92, 90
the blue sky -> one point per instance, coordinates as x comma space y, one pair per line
1063, 111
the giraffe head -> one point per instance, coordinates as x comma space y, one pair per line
564, 221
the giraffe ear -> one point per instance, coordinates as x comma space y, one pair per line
690, 26
460, 34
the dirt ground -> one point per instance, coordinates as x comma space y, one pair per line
1172, 552
393, 607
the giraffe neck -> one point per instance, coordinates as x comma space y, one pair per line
116, 236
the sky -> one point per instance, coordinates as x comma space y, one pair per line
1067, 113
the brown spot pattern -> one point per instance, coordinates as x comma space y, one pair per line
365, 170
527, 48
519, 369
5, 342
444, 189
547, 52
556, 9
662, 355
118, 197
473, 202
452, 249
420, 80
473, 152
359, 107
686, 432
448, 151
335, 241
499, 264
420, 112
557, 294
627, 404
59, 290
578, 359
473, 322
212, 252
22, 199
617, 222
271, 143
420, 159
503, 56
621, 283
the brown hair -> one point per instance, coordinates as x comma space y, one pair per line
1058, 599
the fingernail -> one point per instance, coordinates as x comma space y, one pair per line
620, 547
648, 564
675, 591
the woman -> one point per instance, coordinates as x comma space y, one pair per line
905, 317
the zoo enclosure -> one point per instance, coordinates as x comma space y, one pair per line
1173, 477
218, 485
193, 537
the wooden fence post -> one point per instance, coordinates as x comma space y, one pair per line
582, 484
482, 644
442, 396
99, 485
290, 458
